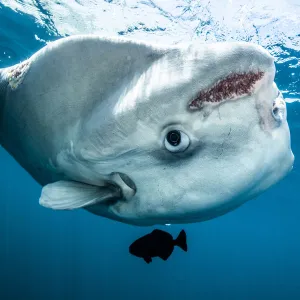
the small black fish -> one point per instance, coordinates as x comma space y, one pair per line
157, 243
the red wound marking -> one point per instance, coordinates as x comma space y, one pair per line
232, 86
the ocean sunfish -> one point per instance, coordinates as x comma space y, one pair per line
146, 134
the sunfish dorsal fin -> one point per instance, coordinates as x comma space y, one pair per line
67, 195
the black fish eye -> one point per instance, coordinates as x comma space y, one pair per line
174, 137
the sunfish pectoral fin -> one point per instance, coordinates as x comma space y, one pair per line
68, 195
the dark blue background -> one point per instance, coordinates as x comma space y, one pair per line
251, 253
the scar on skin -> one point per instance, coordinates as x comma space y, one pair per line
17, 74
233, 86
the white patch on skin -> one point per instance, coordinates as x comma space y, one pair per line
17, 74
279, 109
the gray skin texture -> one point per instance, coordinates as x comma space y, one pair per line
86, 107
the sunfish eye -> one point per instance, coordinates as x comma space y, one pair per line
176, 141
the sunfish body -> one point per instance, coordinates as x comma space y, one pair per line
146, 134
158, 243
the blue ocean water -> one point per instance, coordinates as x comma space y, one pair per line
250, 253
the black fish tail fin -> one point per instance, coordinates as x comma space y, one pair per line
181, 241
